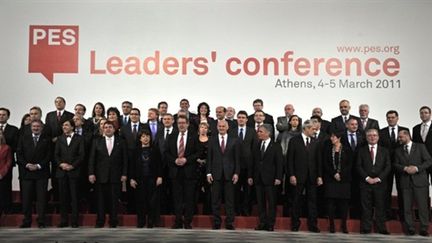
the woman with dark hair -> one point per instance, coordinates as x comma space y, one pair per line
294, 128
5, 165
146, 178
98, 113
203, 114
203, 192
114, 116
25, 120
337, 180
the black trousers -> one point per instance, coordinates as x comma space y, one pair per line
107, 193
243, 194
266, 199
68, 193
184, 199
337, 203
147, 198
30, 187
311, 190
421, 196
216, 193
4, 187
370, 196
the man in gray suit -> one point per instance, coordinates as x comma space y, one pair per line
412, 161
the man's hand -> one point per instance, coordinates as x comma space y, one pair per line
133, 183
337, 177
250, 181
158, 181
210, 179
92, 179
235, 179
319, 181
293, 180
277, 182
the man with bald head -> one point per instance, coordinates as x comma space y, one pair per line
223, 169
282, 124
221, 112
339, 122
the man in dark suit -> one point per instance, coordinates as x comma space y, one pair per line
129, 133
353, 139
366, 123
389, 140
53, 123
258, 105
11, 134
126, 109
223, 169
266, 173
422, 133
247, 139
69, 155
339, 122
181, 156
192, 117
33, 156
220, 116
305, 173
373, 167
153, 124
258, 120
412, 161
230, 114
163, 109
325, 125
108, 169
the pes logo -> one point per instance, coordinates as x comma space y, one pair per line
53, 49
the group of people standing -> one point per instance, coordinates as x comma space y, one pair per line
171, 162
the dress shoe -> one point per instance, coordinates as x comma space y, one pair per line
295, 229
270, 228
332, 229
314, 229
25, 225
41, 225
384, 232
63, 225
75, 225
99, 226
150, 225
424, 233
411, 232
261, 227
188, 226
177, 226
113, 225
229, 227
364, 232
345, 230
140, 226
216, 226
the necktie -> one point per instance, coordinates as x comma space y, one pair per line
1, 127
424, 132
109, 146
262, 149
241, 134
352, 142
35, 140
344, 119
372, 154
257, 126
134, 130
166, 134
153, 129
58, 115
222, 145
364, 123
125, 121
406, 149
393, 135
181, 149
307, 142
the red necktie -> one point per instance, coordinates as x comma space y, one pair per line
222, 144
58, 115
372, 154
181, 149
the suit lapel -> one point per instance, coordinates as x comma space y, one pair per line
269, 147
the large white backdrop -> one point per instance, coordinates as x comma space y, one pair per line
397, 31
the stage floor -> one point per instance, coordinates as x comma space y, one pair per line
128, 234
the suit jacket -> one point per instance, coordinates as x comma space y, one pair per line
161, 142
385, 140
268, 119
352, 154
419, 157
159, 129
108, 168
246, 146
345, 165
27, 153
11, 134
191, 154
232, 126
304, 162
128, 136
269, 166
326, 126
54, 126
338, 125
227, 163
365, 166
371, 123
72, 154
416, 137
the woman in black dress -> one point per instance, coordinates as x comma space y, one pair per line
146, 178
203, 193
337, 180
